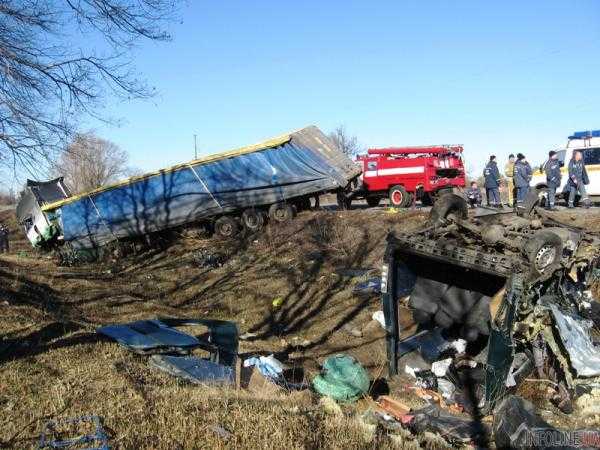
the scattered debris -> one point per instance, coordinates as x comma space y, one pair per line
221, 431
161, 336
574, 334
516, 425
393, 407
429, 343
203, 258
370, 287
150, 336
193, 369
342, 379
379, 318
248, 336
86, 431
352, 331
452, 427
331, 407
439, 368
268, 366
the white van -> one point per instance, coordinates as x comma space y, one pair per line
588, 142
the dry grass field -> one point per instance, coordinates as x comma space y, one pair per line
53, 363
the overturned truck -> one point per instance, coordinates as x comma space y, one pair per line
243, 187
514, 286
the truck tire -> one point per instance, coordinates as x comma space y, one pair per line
445, 205
226, 227
253, 219
281, 212
399, 198
373, 201
544, 251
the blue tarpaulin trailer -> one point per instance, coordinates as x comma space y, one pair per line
244, 184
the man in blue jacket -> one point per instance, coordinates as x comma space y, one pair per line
491, 176
578, 178
553, 178
522, 177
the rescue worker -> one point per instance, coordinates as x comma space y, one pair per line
491, 176
509, 170
522, 176
553, 178
578, 179
474, 195
3, 238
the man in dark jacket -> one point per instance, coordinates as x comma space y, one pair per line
491, 175
578, 178
474, 195
553, 178
522, 177
3, 239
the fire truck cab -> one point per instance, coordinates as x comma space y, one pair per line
406, 174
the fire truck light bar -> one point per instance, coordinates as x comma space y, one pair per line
436, 149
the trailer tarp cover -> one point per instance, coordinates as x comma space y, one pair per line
300, 163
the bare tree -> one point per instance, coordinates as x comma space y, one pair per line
90, 162
346, 143
51, 73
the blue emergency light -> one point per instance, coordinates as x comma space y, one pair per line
585, 134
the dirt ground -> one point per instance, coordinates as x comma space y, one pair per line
53, 364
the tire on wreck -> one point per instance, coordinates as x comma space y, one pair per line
281, 212
544, 251
253, 219
446, 205
226, 227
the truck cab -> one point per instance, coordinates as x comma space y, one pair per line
588, 142
406, 174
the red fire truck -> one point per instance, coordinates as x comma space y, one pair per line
405, 174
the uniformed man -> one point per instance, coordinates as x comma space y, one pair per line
522, 177
491, 175
474, 195
509, 170
578, 179
3, 238
553, 178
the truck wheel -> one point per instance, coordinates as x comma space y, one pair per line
253, 219
544, 250
398, 196
281, 212
373, 201
446, 205
226, 227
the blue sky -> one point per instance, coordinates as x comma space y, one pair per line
498, 77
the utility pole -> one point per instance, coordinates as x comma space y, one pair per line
195, 148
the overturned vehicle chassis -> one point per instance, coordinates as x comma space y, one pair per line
514, 285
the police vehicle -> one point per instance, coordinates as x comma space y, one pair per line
588, 142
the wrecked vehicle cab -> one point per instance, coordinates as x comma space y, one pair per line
515, 286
